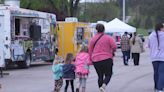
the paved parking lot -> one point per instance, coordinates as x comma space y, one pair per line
38, 78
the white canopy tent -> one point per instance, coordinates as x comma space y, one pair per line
93, 26
102, 22
117, 25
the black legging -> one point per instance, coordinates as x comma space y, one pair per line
104, 68
67, 84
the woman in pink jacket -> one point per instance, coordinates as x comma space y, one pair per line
101, 49
82, 63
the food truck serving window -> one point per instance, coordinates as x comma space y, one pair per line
17, 26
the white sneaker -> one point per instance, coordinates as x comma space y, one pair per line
102, 89
130, 60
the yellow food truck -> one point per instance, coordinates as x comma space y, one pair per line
71, 35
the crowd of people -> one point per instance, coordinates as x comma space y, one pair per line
131, 47
100, 52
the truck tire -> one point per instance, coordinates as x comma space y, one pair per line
9, 64
24, 64
20, 64
51, 60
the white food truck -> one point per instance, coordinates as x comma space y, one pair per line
27, 35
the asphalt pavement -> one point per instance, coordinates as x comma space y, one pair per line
38, 78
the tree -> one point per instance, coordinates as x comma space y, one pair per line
58, 7
147, 11
159, 11
62, 8
1, 1
73, 7
99, 11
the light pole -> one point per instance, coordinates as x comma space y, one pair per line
123, 17
85, 12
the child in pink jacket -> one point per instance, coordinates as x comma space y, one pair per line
82, 63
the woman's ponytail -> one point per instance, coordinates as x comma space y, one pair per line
158, 28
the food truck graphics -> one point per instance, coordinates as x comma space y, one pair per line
71, 35
28, 35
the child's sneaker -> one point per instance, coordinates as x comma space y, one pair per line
102, 88
77, 89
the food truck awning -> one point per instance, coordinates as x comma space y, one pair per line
20, 12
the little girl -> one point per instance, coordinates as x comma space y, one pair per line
57, 74
68, 71
82, 63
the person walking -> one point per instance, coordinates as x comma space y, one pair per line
125, 47
156, 45
136, 48
101, 49
69, 72
57, 74
82, 63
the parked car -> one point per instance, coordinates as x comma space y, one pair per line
116, 37
118, 40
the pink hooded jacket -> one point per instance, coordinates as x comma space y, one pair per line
82, 63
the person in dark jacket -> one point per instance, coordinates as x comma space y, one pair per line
68, 71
